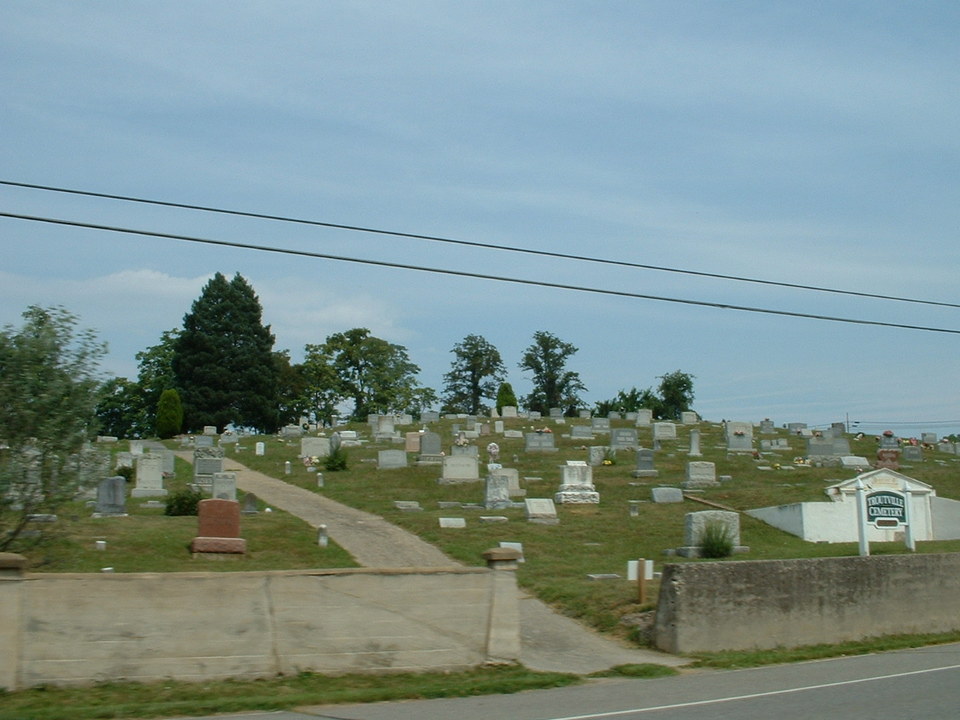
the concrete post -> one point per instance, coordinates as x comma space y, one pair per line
11, 588
503, 628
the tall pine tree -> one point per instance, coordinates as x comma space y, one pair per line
223, 362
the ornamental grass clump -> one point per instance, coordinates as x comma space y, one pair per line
716, 540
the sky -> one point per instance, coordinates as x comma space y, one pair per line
802, 143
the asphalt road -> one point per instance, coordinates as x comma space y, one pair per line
922, 684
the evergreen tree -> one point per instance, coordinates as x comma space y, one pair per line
169, 414
474, 374
505, 396
223, 362
553, 384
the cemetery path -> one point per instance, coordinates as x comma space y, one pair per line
549, 641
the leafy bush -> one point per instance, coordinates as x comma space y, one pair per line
336, 460
716, 541
183, 502
127, 473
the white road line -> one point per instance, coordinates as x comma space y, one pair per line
753, 695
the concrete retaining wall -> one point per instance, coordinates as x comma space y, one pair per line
81, 628
736, 605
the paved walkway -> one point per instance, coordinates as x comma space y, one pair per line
549, 641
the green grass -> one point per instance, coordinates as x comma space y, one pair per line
589, 539
131, 700
730, 660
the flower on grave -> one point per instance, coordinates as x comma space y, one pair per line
738, 433
776, 466
888, 433
607, 462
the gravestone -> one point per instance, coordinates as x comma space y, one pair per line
149, 476
585, 414
644, 416
459, 469
497, 493
696, 524
429, 416
688, 417
739, 436
508, 411
209, 429
596, 454
664, 431
385, 429
630, 416
539, 442
600, 425
515, 434
411, 442
249, 505
581, 432
407, 505
206, 462
928, 438
663, 495
827, 448
912, 453
260, 449
541, 511
498, 427
613, 415
470, 450
695, 443
203, 441
168, 462
644, 468
513, 480
391, 459
796, 428
314, 447
888, 458
111, 497
136, 447
219, 529
889, 442
291, 432
700, 474
223, 486
623, 438
345, 438
123, 459
577, 486
430, 452
767, 427
229, 438
453, 523
556, 413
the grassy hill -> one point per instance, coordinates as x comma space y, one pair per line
596, 539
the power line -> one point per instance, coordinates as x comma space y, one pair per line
461, 273
468, 243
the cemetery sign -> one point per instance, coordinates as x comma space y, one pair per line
886, 509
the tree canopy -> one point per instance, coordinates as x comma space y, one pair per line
49, 387
553, 384
376, 375
475, 374
222, 360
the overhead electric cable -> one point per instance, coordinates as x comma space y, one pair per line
461, 273
469, 243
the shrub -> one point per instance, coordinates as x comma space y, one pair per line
127, 473
505, 396
183, 502
169, 414
336, 460
716, 541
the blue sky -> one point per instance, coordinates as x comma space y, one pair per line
798, 142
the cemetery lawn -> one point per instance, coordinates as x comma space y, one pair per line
590, 539
146, 540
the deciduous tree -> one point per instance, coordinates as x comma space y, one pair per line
553, 384
49, 388
475, 373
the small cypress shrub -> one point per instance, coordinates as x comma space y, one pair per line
505, 396
336, 460
183, 502
127, 473
716, 541
169, 414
